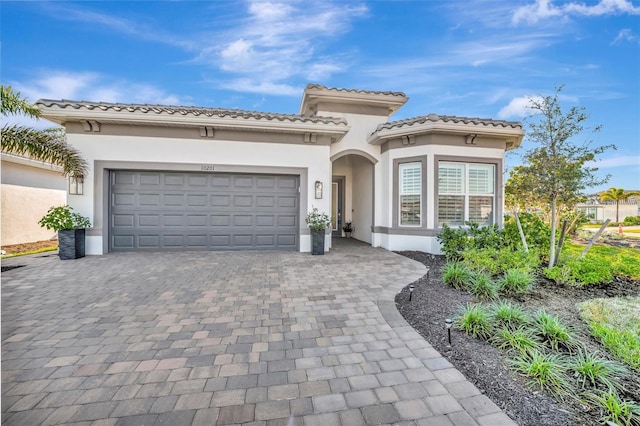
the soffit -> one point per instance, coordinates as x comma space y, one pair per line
62, 111
510, 131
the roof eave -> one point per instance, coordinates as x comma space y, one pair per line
62, 115
312, 95
513, 136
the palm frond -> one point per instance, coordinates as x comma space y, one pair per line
14, 104
47, 145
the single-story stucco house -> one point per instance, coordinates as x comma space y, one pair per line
172, 177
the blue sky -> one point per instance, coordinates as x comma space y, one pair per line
477, 58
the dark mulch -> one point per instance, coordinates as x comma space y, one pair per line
484, 365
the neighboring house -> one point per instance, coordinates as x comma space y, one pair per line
598, 211
29, 189
171, 177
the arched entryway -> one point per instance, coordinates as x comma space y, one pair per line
353, 193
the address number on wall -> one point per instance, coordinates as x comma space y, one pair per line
207, 167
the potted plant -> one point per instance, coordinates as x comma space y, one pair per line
348, 229
317, 223
70, 228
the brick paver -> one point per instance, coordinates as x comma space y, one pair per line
223, 338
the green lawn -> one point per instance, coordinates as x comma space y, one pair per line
616, 324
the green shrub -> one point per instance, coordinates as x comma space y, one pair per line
481, 260
517, 259
476, 321
585, 271
509, 315
631, 221
457, 275
591, 270
521, 340
552, 331
613, 409
453, 242
485, 237
626, 265
575, 219
537, 232
546, 371
483, 286
515, 281
559, 274
591, 369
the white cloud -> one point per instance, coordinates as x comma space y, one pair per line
90, 86
543, 9
277, 41
262, 87
613, 162
626, 34
517, 107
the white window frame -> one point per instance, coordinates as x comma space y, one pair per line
465, 193
401, 192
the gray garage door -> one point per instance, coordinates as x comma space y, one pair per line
206, 211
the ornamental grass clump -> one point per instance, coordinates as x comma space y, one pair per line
521, 340
592, 370
515, 281
552, 331
475, 320
509, 315
483, 286
457, 275
613, 409
546, 372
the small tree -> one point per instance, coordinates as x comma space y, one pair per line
617, 195
554, 173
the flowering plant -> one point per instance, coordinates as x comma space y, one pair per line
318, 221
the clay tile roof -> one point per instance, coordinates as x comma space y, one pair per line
371, 92
188, 110
448, 118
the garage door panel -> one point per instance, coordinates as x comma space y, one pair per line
174, 179
242, 201
149, 220
290, 202
220, 220
220, 200
149, 199
172, 211
123, 199
150, 179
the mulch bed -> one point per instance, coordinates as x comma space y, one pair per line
484, 365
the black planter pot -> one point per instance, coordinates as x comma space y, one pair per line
317, 242
71, 243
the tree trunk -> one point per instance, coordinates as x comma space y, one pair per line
552, 248
561, 241
617, 211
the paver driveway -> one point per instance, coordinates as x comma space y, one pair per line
223, 338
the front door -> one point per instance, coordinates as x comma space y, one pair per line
337, 214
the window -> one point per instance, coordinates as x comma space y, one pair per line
410, 177
466, 193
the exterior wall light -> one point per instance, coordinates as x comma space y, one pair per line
76, 185
318, 189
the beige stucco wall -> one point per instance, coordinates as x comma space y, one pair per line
24, 172
22, 208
